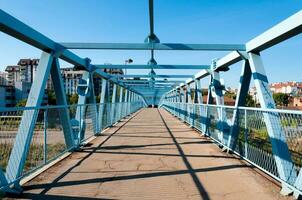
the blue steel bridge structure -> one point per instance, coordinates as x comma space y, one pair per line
229, 126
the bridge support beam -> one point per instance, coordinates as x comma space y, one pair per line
120, 110
48, 64
85, 91
125, 110
298, 184
243, 89
59, 89
113, 104
285, 166
189, 105
217, 90
102, 104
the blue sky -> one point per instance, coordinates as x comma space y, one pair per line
183, 21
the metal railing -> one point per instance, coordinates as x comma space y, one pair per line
253, 142
48, 141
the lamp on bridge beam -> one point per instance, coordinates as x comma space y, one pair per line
128, 61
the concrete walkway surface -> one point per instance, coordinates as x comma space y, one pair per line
151, 155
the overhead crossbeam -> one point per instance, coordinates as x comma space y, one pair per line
286, 29
116, 66
156, 46
23, 32
151, 76
142, 81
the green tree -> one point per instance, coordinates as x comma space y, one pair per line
97, 98
249, 101
51, 98
73, 99
21, 103
231, 95
281, 99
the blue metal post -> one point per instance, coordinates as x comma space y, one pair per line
126, 103
219, 101
183, 103
298, 184
93, 107
113, 106
285, 166
102, 103
45, 137
26, 129
59, 89
3, 181
121, 103
189, 105
243, 88
83, 92
206, 116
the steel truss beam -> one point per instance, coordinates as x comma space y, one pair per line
48, 65
116, 66
142, 81
23, 32
151, 76
155, 46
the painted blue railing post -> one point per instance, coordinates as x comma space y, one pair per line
113, 104
189, 105
183, 101
61, 99
125, 103
102, 103
120, 103
243, 88
199, 99
298, 184
24, 136
207, 113
3, 180
217, 87
285, 166
83, 92
45, 136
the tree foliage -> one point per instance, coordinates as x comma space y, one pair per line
281, 99
21, 103
249, 101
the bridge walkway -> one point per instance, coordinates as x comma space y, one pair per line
151, 155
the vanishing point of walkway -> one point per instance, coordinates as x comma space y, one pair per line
151, 155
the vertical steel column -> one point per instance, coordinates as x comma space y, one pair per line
93, 107
189, 105
113, 100
126, 103
121, 102
298, 184
183, 103
45, 137
243, 89
199, 99
219, 101
3, 181
83, 92
102, 103
29, 117
207, 113
129, 102
277, 137
61, 99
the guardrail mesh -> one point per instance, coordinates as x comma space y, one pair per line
254, 142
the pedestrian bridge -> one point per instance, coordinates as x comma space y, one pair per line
124, 147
